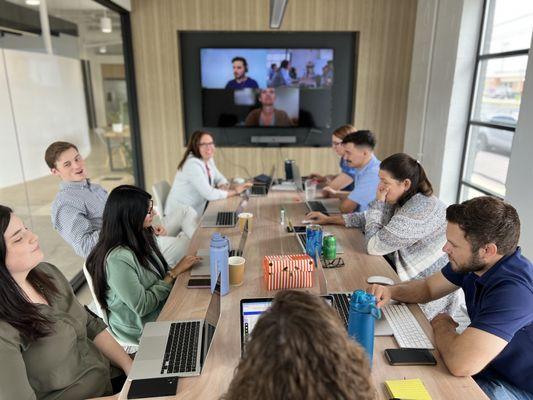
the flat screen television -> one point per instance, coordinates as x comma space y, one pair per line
266, 88
263, 88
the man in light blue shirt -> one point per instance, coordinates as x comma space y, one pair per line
359, 154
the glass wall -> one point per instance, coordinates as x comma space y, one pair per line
75, 93
501, 67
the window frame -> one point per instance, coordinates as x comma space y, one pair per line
475, 122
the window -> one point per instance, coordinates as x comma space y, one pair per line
496, 95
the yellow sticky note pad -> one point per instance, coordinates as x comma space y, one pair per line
408, 389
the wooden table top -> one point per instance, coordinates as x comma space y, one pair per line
269, 237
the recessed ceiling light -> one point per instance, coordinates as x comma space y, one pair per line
33, 2
103, 49
105, 24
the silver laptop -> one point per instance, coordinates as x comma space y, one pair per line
176, 348
222, 219
203, 268
262, 189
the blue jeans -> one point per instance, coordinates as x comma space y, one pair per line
502, 390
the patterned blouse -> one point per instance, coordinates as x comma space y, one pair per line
413, 235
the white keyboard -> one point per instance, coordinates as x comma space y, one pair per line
406, 329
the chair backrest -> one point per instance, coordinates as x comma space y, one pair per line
99, 310
160, 190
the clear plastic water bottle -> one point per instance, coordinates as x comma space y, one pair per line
219, 253
363, 312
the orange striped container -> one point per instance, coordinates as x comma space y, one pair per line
288, 271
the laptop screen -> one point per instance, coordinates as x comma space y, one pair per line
251, 310
211, 320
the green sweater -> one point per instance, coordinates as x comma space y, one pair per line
66, 364
136, 295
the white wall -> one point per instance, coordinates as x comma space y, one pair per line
441, 77
46, 96
519, 187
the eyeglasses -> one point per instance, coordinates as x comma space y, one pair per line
209, 144
151, 208
335, 263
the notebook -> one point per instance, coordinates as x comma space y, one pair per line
407, 389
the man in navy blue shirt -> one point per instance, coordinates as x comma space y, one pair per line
241, 81
497, 280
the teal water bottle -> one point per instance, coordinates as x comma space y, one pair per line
363, 312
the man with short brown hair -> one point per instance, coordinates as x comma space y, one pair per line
496, 348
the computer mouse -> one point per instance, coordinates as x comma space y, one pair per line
380, 280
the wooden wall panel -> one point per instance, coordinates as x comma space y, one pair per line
386, 30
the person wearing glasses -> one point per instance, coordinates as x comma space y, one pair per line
131, 278
343, 181
198, 180
78, 207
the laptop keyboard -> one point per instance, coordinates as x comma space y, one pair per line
226, 218
342, 305
317, 206
259, 190
182, 348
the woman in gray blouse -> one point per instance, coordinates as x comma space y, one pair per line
405, 221
51, 347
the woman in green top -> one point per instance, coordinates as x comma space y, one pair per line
50, 346
131, 278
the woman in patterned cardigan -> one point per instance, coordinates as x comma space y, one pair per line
406, 222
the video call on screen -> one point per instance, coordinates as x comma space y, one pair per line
239, 86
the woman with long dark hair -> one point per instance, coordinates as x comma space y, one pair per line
299, 349
406, 222
51, 346
198, 180
131, 278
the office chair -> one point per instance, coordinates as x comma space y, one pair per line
160, 190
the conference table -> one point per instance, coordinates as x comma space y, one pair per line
269, 237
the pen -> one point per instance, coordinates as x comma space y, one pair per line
291, 228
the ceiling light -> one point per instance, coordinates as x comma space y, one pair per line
33, 2
277, 10
105, 24
102, 49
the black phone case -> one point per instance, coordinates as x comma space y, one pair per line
155, 387
430, 360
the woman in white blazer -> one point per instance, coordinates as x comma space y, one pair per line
198, 180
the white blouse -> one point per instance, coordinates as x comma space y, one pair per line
193, 187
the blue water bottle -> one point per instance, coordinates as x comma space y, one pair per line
363, 311
218, 260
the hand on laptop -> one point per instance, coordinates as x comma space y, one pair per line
317, 217
318, 177
329, 192
185, 263
382, 294
241, 188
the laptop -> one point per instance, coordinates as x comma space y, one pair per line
176, 348
327, 206
259, 189
222, 219
302, 240
251, 310
204, 267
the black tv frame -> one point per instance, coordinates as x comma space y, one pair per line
344, 45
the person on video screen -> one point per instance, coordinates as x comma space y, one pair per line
267, 115
241, 81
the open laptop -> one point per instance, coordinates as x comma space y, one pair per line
222, 219
327, 206
176, 348
203, 268
262, 188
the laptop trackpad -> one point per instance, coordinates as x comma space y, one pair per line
152, 347
382, 327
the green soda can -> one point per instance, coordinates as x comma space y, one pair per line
329, 247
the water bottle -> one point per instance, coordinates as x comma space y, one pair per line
218, 254
363, 311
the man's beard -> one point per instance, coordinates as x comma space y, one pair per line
474, 264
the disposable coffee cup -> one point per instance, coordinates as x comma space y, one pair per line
243, 217
236, 270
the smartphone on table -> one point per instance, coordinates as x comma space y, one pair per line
410, 357
199, 283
